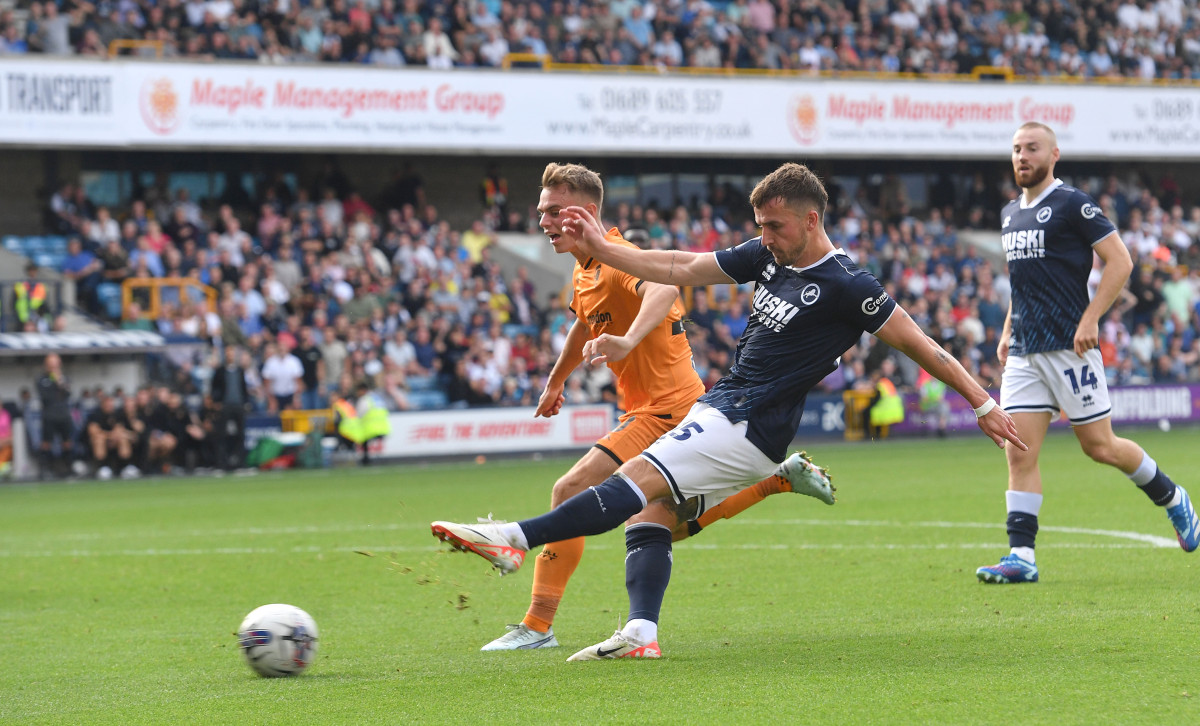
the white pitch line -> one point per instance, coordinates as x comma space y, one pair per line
1118, 534
1150, 539
386, 550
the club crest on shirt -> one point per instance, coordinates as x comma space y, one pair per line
1043, 214
810, 293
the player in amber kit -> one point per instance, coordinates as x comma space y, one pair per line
1049, 347
637, 328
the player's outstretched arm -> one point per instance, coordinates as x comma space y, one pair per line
656, 304
1117, 268
904, 335
670, 267
552, 399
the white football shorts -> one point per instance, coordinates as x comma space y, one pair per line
709, 458
1056, 380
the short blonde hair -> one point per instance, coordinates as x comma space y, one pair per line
576, 177
1039, 125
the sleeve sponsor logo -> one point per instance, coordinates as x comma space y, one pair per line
1089, 210
871, 305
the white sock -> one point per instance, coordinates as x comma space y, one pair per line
1176, 498
1025, 553
640, 632
1145, 471
1028, 502
515, 535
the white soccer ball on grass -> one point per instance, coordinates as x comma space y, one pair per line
278, 640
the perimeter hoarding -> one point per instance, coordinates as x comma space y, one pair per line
232, 105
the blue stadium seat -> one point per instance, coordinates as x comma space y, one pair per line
47, 260
427, 400
422, 383
56, 244
32, 245
13, 243
109, 294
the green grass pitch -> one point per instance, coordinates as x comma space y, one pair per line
118, 601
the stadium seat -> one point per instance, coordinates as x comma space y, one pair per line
13, 243
109, 295
56, 244
32, 245
427, 400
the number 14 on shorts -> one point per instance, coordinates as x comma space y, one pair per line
1085, 378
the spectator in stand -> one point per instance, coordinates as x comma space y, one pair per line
283, 374
54, 390
230, 400
109, 442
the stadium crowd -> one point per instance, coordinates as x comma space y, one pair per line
319, 290
1144, 39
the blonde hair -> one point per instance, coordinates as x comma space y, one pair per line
576, 177
795, 185
1039, 125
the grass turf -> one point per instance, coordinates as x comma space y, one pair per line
118, 601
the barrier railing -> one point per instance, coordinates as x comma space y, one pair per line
116, 46
154, 288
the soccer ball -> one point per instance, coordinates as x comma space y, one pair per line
278, 640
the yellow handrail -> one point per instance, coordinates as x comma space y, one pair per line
156, 284
116, 46
1002, 73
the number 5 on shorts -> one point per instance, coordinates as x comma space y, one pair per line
684, 432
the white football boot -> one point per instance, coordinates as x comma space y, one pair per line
522, 637
807, 478
485, 539
618, 646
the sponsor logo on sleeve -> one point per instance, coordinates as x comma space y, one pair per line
1089, 210
871, 305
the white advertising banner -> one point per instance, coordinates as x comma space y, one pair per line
494, 430
185, 105
59, 104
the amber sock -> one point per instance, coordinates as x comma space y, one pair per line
552, 568
745, 499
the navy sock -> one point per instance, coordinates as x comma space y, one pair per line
594, 511
647, 569
1022, 529
1160, 489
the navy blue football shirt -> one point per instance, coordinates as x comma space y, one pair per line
1048, 244
800, 323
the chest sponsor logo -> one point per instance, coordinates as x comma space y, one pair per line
772, 311
810, 293
871, 305
597, 320
1043, 214
1089, 211
1026, 244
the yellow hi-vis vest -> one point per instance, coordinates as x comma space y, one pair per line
889, 409
29, 300
359, 429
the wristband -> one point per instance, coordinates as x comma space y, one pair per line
986, 408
